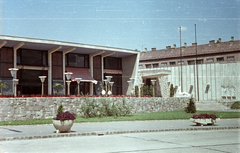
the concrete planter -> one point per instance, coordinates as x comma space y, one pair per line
207, 121
63, 126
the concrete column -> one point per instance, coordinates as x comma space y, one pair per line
50, 67
63, 65
49, 73
91, 67
15, 48
130, 70
91, 72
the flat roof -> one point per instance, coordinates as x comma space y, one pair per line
43, 44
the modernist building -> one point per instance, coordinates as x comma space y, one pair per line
209, 72
38, 57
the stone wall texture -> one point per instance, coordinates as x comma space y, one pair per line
46, 107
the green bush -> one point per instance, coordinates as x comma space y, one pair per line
171, 91
60, 109
191, 108
151, 90
236, 105
145, 90
136, 91
104, 108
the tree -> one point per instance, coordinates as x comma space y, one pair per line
57, 86
191, 108
3, 85
136, 91
171, 91
151, 91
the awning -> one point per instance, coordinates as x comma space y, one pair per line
112, 71
80, 73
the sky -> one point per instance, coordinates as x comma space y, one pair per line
129, 24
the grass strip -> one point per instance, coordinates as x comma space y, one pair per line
170, 115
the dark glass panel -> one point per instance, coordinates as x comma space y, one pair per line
113, 63
30, 57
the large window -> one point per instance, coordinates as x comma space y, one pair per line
76, 60
113, 63
31, 57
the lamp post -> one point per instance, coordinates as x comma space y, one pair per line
15, 81
107, 82
78, 82
153, 83
111, 84
42, 78
68, 75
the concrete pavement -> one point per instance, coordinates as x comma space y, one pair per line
110, 128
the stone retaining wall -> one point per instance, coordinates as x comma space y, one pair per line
46, 107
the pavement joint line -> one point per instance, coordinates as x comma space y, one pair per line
112, 133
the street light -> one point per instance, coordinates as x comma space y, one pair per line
111, 84
107, 83
42, 78
132, 84
78, 82
153, 83
15, 82
68, 75
68, 83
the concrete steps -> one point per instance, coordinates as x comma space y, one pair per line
210, 105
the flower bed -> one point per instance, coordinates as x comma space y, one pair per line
204, 119
25, 96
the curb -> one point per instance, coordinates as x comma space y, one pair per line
111, 133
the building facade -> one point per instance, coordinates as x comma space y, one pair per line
209, 72
38, 57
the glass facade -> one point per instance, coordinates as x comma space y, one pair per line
31, 57
113, 63
77, 60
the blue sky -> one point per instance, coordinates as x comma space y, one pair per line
130, 24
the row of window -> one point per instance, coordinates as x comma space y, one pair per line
190, 62
39, 58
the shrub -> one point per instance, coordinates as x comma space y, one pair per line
151, 91
191, 108
136, 91
236, 105
60, 109
104, 108
145, 90
64, 115
171, 91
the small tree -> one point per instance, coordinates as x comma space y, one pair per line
60, 109
171, 91
145, 90
3, 85
191, 108
57, 86
151, 90
136, 91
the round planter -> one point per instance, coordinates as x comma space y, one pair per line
63, 126
206, 121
